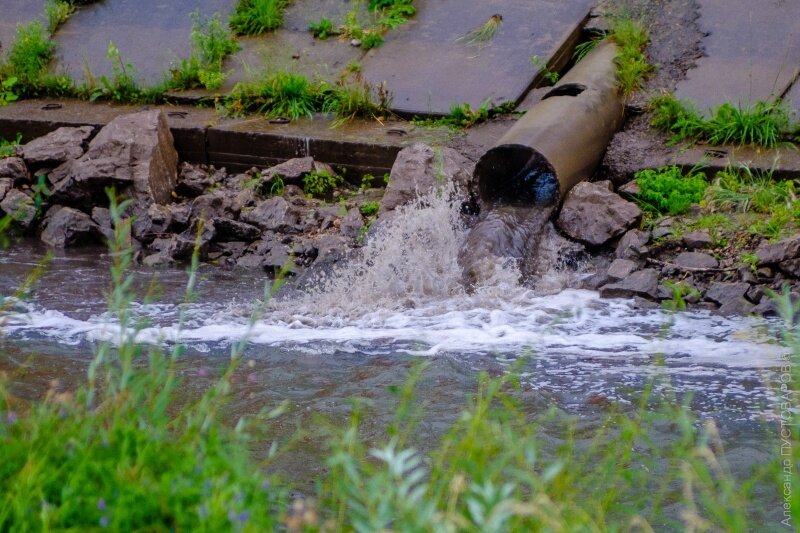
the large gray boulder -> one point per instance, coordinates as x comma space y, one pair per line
770, 254
70, 227
56, 147
594, 215
14, 168
275, 214
418, 169
134, 151
642, 283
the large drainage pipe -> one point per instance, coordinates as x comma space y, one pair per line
560, 141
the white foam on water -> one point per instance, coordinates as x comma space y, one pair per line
404, 292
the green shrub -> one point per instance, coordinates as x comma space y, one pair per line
282, 94
57, 12
321, 183
211, 44
31, 52
369, 208
254, 17
667, 191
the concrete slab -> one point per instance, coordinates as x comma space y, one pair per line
237, 144
792, 100
16, 12
150, 34
427, 69
752, 52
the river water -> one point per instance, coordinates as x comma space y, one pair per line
358, 330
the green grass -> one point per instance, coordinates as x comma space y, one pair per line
124, 452
28, 57
761, 124
355, 99
631, 37
57, 12
254, 17
463, 116
667, 191
483, 34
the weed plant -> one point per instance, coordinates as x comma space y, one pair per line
57, 12
482, 35
27, 60
321, 183
7, 93
211, 44
761, 124
322, 29
254, 17
462, 116
369, 209
667, 191
631, 38
9, 148
355, 98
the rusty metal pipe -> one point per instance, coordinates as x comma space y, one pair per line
560, 141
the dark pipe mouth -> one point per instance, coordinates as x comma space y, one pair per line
567, 89
516, 175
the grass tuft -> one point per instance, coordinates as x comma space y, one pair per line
631, 38
761, 124
254, 17
30, 53
482, 35
57, 12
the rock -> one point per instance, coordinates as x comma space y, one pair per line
180, 215
352, 223
249, 262
245, 198
193, 181
791, 267
418, 169
594, 215
275, 214
755, 293
182, 246
70, 227
767, 307
233, 230
15, 169
695, 260
291, 171
661, 232
20, 207
594, 281
629, 190
730, 297
721, 292
643, 283
151, 222
134, 150
697, 240
56, 147
102, 217
621, 269
770, 254
216, 204
330, 248
606, 184
632, 245
6, 184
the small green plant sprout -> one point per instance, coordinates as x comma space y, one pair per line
371, 39
366, 182
369, 209
751, 260
277, 187
211, 44
548, 74
680, 294
9, 148
57, 12
254, 17
321, 183
7, 94
342, 207
482, 35
666, 191
40, 193
323, 29
122, 86
583, 49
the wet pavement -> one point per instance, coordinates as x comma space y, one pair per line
752, 52
151, 35
16, 12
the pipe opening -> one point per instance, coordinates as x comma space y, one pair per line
516, 175
567, 89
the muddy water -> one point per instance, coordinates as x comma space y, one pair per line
357, 331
